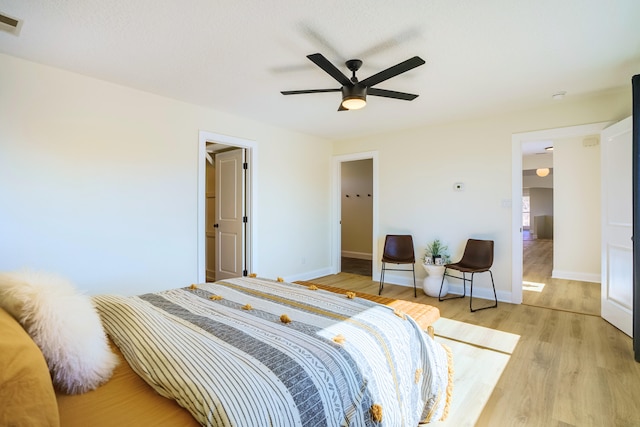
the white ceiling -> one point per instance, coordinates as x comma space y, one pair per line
482, 57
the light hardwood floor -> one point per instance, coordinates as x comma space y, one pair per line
541, 290
567, 369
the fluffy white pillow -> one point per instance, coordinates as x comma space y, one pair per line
64, 324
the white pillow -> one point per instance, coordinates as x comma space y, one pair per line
64, 324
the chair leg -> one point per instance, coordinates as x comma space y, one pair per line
494, 295
413, 270
464, 286
415, 292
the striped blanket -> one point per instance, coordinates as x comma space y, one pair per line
258, 352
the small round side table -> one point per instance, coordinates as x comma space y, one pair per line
432, 282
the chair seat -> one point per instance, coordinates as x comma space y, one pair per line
466, 268
397, 261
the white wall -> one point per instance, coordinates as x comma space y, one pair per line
98, 182
577, 237
418, 167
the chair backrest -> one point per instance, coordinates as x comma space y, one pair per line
398, 248
478, 254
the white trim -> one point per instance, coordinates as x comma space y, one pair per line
576, 275
308, 275
252, 190
516, 191
336, 211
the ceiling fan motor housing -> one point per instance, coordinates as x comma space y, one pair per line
352, 93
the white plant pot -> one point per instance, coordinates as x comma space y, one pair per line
431, 283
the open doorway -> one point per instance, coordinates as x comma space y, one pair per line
370, 181
357, 217
225, 206
564, 270
537, 219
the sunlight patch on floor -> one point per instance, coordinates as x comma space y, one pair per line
532, 286
479, 357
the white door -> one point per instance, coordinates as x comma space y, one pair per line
617, 225
229, 225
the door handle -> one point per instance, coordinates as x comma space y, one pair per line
216, 225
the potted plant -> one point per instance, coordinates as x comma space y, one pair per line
436, 250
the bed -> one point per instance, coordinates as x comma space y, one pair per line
253, 351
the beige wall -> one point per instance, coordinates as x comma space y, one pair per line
418, 167
541, 201
99, 183
357, 208
577, 237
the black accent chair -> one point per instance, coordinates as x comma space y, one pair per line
477, 258
398, 249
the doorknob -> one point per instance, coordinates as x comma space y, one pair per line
215, 225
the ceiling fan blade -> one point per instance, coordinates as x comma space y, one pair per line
298, 92
329, 68
400, 68
391, 94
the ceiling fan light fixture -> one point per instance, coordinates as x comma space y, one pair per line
354, 103
354, 97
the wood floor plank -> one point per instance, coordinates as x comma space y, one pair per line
542, 290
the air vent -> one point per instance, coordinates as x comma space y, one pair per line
591, 141
9, 24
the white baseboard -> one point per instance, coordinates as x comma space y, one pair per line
308, 275
576, 275
456, 289
357, 255
482, 293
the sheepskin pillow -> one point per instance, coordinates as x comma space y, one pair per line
64, 324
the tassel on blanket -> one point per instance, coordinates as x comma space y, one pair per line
339, 339
193, 286
215, 297
253, 275
285, 319
376, 412
313, 288
418, 375
445, 413
247, 307
351, 295
280, 279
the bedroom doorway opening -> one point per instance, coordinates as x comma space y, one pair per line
570, 208
357, 217
225, 208
355, 214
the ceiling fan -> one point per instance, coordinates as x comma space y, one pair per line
354, 92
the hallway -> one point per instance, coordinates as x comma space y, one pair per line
541, 290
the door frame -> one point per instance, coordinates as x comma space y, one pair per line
250, 196
516, 190
337, 209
